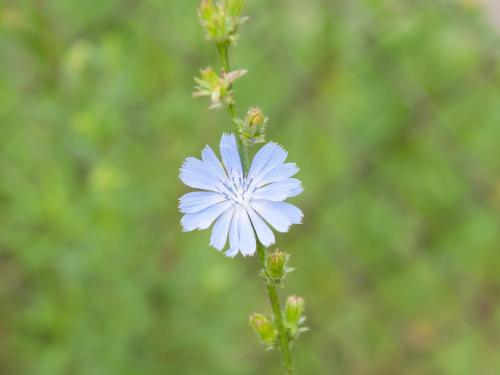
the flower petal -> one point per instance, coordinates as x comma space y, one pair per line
221, 228
198, 200
280, 215
213, 164
234, 235
230, 156
279, 173
231, 252
247, 235
194, 174
264, 233
279, 191
260, 159
269, 157
203, 219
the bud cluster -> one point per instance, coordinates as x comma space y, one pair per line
293, 316
293, 320
218, 88
221, 19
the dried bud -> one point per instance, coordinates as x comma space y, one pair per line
233, 7
221, 20
254, 126
293, 313
276, 264
264, 328
206, 10
218, 88
230, 77
255, 117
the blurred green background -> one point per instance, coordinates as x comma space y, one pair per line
391, 109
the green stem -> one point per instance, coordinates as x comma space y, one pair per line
271, 289
278, 317
224, 55
224, 59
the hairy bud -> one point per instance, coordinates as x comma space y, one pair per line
294, 309
264, 328
253, 126
276, 264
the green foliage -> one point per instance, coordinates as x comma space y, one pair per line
390, 108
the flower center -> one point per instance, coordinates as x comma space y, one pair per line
236, 189
241, 196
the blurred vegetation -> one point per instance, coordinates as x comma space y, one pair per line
391, 109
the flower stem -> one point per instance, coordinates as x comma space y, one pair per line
271, 289
224, 59
278, 317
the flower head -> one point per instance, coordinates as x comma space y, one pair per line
242, 206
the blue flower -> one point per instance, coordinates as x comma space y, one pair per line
241, 205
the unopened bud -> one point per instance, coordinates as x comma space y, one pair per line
293, 310
276, 264
254, 126
264, 328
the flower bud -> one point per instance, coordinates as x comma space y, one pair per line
293, 311
264, 328
254, 126
276, 264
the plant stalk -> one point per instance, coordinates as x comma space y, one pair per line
278, 317
222, 48
271, 289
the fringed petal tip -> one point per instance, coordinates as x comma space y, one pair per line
281, 150
269, 244
231, 253
186, 229
276, 144
215, 247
